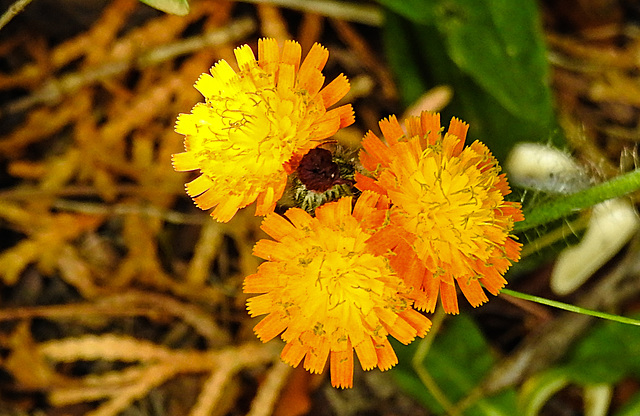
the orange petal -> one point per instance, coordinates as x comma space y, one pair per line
346, 114
365, 183
472, 290
367, 356
293, 352
335, 90
421, 323
286, 79
271, 326
317, 355
342, 368
430, 123
267, 199
278, 227
310, 79
325, 126
493, 281
316, 58
291, 54
227, 208
449, 298
401, 330
512, 249
384, 240
458, 128
331, 213
413, 126
299, 218
391, 130
377, 150
260, 305
268, 51
365, 205
386, 356
265, 280
272, 250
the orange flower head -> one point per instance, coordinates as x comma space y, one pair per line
327, 294
448, 221
255, 124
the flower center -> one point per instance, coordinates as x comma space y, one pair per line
450, 208
342, 283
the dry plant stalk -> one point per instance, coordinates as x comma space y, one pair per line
154, 365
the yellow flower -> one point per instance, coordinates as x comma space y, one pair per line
449, 220
256, 124
329, 294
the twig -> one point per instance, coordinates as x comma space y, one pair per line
172, 217
265, 401
359, 13
12, 11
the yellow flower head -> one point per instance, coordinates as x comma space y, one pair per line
449, 220
255, 124
329, 294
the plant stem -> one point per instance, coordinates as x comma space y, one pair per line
614, 188
12, 11
571, 308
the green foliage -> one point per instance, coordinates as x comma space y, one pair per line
458, 360
607, 354
178, 7
491, 52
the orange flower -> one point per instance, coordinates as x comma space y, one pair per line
329, 294
256, 124
449, 220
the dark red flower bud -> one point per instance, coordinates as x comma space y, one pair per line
318, 172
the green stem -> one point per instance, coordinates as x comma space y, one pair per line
418, 363
571, 308
616, 187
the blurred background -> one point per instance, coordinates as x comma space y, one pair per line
119, 297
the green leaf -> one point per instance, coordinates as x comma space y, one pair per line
490, 52
539, 389
458, 360
402, 58
499, 44
177, 7
606, 354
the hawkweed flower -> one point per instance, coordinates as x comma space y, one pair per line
327, 294
256, 124
449, 221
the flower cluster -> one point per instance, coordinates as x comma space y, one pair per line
431, 216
